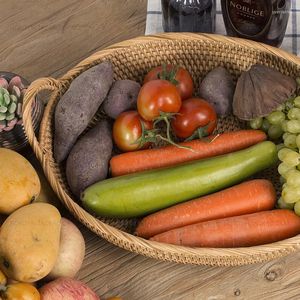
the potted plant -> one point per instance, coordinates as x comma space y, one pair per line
12, 91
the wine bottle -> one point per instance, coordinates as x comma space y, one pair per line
189, 15
260, 20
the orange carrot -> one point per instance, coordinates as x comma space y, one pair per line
141, 160
241, 231
245, 198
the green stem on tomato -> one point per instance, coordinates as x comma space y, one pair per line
168, 75
166, 118
148, 136
199, 133
175, 144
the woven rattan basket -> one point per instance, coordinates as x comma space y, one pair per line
132, 59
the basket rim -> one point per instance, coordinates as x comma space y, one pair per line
127, 241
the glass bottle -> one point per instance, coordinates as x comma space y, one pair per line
189, 15
260, 20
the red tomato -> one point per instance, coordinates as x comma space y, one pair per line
195, 113
158, 96
127, 130
178, 76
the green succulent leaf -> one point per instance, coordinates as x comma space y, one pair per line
9, 117
2, 116
13, 98
12, 108
3, 109
6, 99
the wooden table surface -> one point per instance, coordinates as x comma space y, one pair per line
46, 38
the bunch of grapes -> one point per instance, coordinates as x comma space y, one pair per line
283, 127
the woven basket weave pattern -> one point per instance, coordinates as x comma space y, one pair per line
132, 60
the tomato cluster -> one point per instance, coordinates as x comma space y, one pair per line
166, 95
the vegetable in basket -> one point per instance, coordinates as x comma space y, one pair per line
168, 156
245, 198
142, 193
89, 158
261, 90
217, 88
131, 132
121, 97
239, 231
78, 106
178, 76
159, 100
195, 119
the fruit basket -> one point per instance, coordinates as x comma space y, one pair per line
132, 59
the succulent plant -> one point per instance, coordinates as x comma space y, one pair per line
11, 98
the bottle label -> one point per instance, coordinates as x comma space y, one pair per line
249, 17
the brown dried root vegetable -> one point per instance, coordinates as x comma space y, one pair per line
260, 91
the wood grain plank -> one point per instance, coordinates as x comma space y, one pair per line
46, 38
136, 277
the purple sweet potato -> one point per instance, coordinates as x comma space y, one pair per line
78, 105
217, 88
89, 158
121, 97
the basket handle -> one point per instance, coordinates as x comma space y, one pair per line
35, 87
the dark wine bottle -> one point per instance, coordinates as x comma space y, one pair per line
189, 15
260, 20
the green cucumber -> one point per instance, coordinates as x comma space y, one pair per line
142, 193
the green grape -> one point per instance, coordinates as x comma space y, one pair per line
289, 104
284, 125
297, 101
293, 178
276, 117
285, 135
282, 180
275, 132
281, 107
290, 194
294, 113
265, 125
298, 141
293, 126
282, 204
283, 169
292, 159
280, 146
297, 208
289, 140
282, 152
256, 123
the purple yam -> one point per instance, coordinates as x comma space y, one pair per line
78, 106
89, 159
122, 97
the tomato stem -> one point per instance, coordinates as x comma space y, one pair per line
175, 144
169, 75
166, 118
148, 136
199, 133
